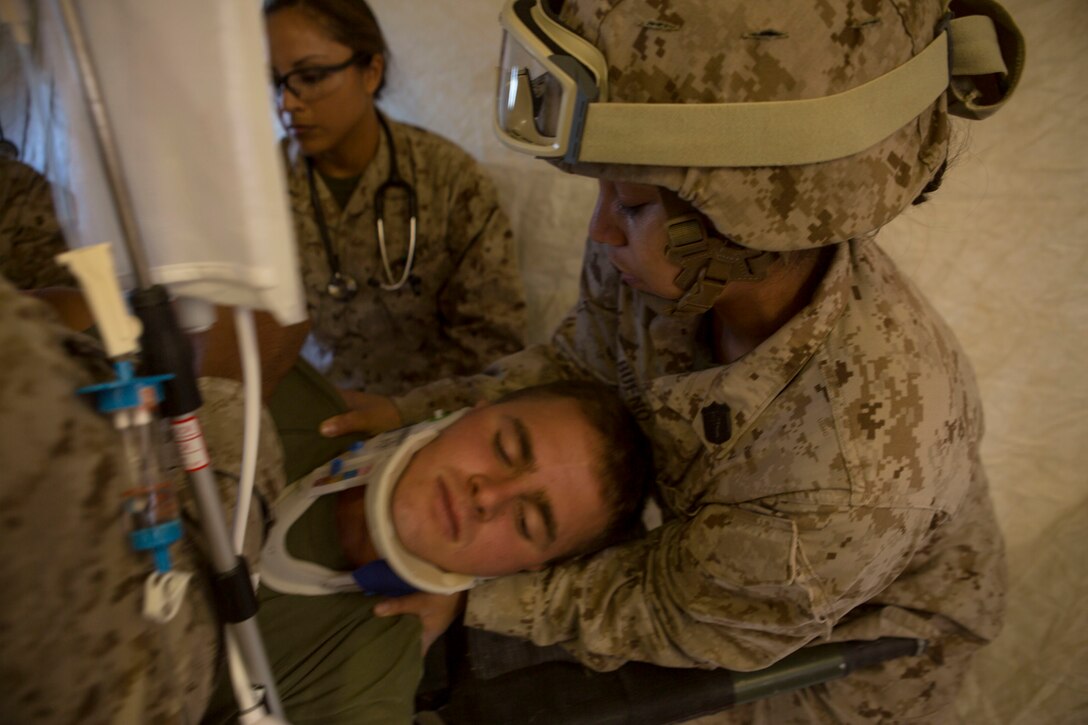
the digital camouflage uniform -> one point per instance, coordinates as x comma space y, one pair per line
29, 232
826, 485
463, 306
73, 645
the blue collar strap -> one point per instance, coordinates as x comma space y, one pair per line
378, 577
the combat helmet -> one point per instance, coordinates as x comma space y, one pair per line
788, 125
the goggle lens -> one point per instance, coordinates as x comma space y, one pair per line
529, 97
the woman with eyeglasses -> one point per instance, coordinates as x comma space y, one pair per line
408, 262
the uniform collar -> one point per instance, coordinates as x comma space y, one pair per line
376, 172
721, 402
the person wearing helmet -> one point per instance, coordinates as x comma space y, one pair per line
815, 423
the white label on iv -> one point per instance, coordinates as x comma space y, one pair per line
164, 595
190, 440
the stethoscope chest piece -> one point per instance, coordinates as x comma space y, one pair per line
342, 286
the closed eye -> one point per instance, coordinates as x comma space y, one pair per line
521, 524
513, 445
630, 210
535, 520
498, 445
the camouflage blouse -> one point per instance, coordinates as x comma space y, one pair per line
463, 305
827, 485
30, 234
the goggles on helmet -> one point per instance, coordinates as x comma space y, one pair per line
547, 78
553, 103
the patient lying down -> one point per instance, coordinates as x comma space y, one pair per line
544, 474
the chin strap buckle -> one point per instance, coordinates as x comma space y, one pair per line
707, 263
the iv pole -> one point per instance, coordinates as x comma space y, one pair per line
166, 350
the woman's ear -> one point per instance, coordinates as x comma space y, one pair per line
373, 73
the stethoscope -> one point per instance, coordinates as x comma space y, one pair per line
342, 286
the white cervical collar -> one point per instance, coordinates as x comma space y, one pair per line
378, 465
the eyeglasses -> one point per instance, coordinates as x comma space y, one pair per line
314, 82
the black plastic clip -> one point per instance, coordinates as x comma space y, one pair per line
233, 594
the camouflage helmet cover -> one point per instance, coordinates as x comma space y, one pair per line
730, 51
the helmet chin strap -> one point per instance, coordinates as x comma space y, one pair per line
707, 261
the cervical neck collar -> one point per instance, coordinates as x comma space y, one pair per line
378, 465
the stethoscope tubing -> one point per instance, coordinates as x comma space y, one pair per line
341, 286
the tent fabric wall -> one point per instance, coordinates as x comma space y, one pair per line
1000, 250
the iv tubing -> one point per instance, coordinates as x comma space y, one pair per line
243, 693
248, 705
251, 377
107, 146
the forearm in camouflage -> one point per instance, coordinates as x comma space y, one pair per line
731, 588
534, 365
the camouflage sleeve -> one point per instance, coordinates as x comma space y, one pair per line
534, 365
483, 303
735, 587
30, 234
75, 648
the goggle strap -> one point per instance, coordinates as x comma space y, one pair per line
984, 46
787, 133
976, 48
768, 133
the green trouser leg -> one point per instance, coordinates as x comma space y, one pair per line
302, 400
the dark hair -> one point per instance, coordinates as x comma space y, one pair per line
625, 464
348, 22
933, 185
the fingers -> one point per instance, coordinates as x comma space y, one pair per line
435, 611
372, 414
350, 422
409, 604
428, 639
355, 399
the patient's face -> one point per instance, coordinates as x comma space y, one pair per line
506, 488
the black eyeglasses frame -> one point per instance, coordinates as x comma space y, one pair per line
280, 84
